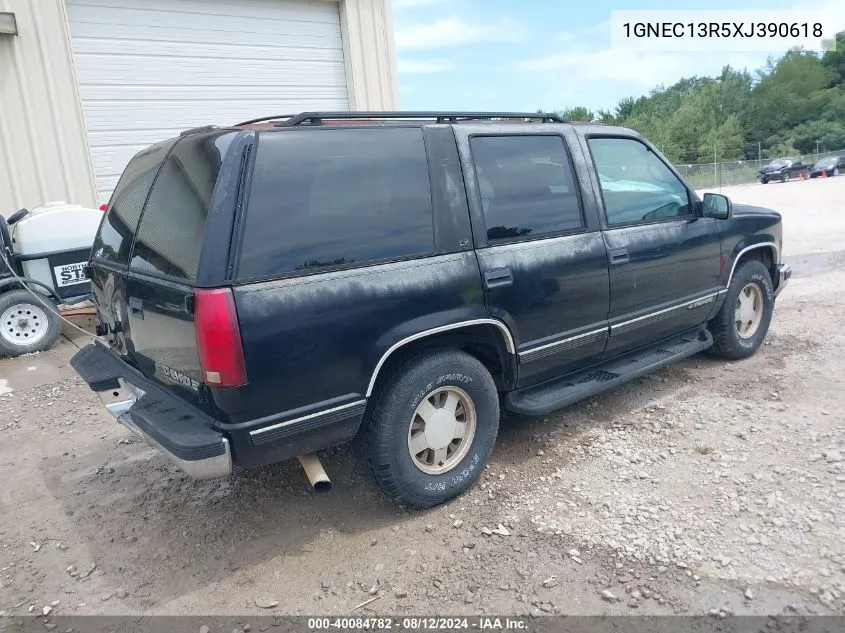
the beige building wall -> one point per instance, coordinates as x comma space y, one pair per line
43, 148
369, 51
43, 145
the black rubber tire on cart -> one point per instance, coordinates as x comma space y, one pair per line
27, 324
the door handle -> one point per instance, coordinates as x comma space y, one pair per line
498, 278
619, 256
136, 308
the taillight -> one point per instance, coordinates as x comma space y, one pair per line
104, 207
219, 338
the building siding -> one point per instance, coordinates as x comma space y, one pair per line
43, 148
369, 52
44, 151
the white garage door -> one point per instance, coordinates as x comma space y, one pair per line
148, 69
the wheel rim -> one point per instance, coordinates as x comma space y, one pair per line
442, 429
749, 310
24, 324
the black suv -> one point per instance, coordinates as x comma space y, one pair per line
783, 169
289, 284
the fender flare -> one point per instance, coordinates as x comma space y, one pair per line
767, 244
503, 330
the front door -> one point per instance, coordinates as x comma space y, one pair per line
663, 256
543, 264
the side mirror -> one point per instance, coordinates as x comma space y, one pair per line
717, 206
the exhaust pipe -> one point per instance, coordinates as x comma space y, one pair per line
320, 481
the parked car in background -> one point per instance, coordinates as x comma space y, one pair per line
783, 169
830, 166
266, 292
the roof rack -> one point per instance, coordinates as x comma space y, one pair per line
262, 119
316, 118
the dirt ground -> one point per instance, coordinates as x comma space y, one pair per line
704, 488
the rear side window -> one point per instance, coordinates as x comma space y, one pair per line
527, 186
327, 198
172, 226
114, 239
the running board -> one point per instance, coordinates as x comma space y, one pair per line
560, 392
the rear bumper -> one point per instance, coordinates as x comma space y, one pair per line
179, 431
784, 275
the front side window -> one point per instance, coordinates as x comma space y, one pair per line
328, 198
527, 186
636, 185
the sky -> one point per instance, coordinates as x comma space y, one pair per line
531, 54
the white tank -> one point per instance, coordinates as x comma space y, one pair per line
55, 226
64, 231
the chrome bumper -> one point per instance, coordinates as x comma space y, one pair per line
119, 401
784, 275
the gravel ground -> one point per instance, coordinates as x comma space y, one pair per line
704, 488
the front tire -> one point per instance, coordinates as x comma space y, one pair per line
784, 177
431, 427
26, 324
742, 322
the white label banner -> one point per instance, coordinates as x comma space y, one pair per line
711, 30
69, 274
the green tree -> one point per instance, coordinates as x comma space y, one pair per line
577, 113
725, 142
834, 60
829, 134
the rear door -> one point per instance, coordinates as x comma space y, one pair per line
163, 266
542, 258
110, 252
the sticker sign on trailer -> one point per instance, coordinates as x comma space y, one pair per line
69, 274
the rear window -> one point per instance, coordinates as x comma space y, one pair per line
114, 239
328, 198
170, 234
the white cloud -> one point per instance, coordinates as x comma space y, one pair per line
454, 32
590, 32
424, 66
646, 69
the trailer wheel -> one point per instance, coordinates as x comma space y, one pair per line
27, 324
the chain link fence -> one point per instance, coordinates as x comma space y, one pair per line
737, 172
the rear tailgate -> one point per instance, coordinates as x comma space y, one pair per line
156, 293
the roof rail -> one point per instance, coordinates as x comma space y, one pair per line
316, 118
272, 117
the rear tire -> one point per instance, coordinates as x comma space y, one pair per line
26, 324
743, 320
765, 181
410, 435
784, 177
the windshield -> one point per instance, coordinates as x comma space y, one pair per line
826, 162
777, 163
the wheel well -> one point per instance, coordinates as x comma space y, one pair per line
764, 254
483, 342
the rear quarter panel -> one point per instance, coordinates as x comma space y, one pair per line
312, 339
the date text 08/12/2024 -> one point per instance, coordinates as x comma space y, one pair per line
418, 623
